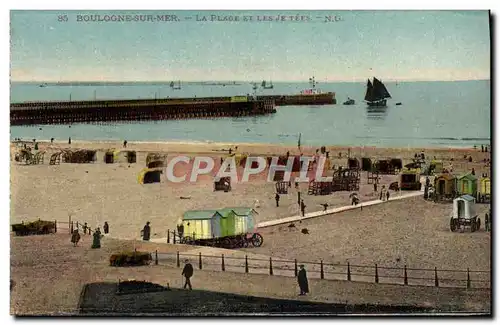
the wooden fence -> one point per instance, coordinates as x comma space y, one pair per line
331, 271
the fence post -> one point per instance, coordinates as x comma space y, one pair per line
468, 279
77, 227
174, 236
55, 225
178, 260
436, 281
348, 271
223, 265
322, 273
270, 266
406, 277
156, 257
199, 260
376, 273
71, 228
296, 271
168, 236
246, 264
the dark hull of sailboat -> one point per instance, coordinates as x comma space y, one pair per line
349, 102
379, 103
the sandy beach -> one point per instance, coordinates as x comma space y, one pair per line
99, 192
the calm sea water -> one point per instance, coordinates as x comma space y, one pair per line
455, 114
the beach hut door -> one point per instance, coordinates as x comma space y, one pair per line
441, 186
216, 232
461, 208
465, 186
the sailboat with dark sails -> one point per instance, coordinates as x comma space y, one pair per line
376, 93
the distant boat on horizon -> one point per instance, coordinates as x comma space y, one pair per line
266, 85
349, 101
376, 93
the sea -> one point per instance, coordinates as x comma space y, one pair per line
431, 114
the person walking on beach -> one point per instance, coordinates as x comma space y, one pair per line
69, 140
375, 187
303, 208
302, 280
325, 206
125, 144
277, 198
187, 272
146, 232
106, 227
51, 140
75, 237
387, 195
85, 227
486, 222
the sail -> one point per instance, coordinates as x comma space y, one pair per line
369, 92
380, 92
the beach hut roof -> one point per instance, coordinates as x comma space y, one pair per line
467, 197
199, 214
446, 176
242, 211
469, 176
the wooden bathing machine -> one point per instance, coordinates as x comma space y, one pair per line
467, 184
444, 184
244, 219
205, 224
484, 193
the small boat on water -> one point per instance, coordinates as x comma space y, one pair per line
376, 93
43, 85
399, 103
267, 85
349, 101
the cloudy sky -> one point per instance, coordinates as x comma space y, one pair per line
394, 45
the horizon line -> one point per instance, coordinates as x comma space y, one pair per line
243, 81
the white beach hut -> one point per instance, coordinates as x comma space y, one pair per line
464, 207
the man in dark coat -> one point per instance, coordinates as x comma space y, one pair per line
146, 232
106, 227
303, 208
187, 272
277, 198
486, 222
302, 280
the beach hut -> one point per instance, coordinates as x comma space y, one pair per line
467, 184
111, 156
149, 175
227, 222
366, 164
410, 180
397, 163
352, 163
244, 220
464, 207
484, 194
155, 156
444, 184
202, 224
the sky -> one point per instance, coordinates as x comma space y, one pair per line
60, 46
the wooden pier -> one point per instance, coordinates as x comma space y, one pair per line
104, 111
